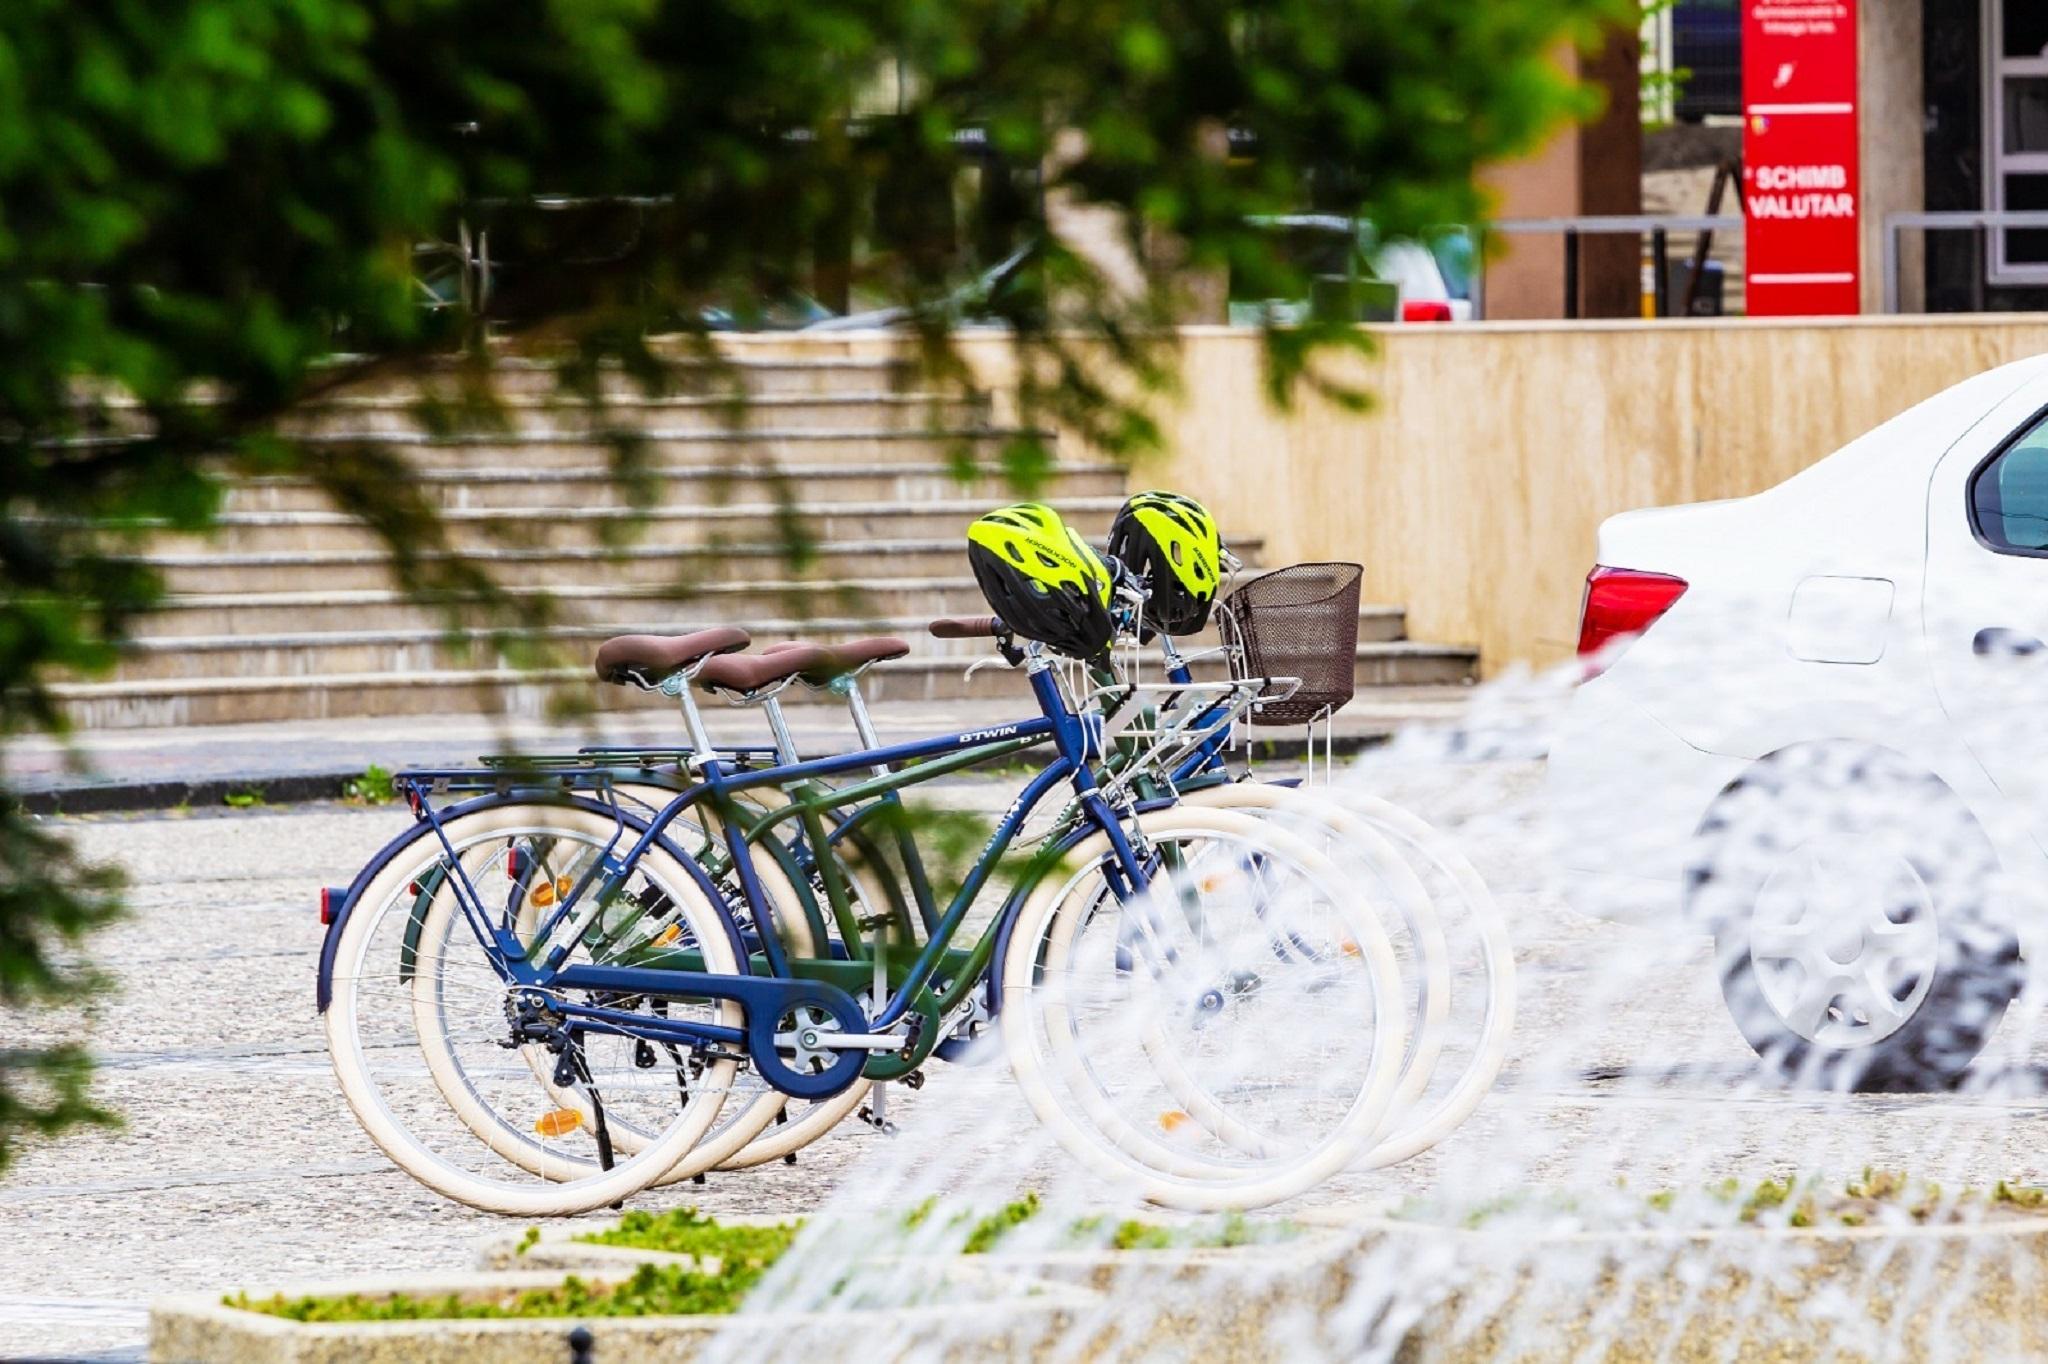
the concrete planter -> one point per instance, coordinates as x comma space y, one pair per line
984, 1316
1230, 1305
1784, 1294
1222, 1304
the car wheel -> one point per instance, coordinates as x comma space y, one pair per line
1850, 895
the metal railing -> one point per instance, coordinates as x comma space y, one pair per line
1981, 221
1658, 226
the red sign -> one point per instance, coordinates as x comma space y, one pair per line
1800, 192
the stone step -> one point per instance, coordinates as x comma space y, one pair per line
649, 609
514, 488
233, 700
210, 573
398, 414
757, 447
666, 527
734, 450
883, 604
768, 377
423, 648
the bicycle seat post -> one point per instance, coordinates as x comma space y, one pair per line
693, 719
863, 723
778, 725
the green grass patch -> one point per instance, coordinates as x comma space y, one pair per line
986, 1233
685, 1231
1876, 1196
653, 1291
372, 788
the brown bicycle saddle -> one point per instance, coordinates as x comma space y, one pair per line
647, 660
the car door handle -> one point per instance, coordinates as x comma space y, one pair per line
1999, 642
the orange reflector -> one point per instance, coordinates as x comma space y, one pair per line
1172, 1120
1350, 948
559, 1123
545, 893
1214, 882
668, 935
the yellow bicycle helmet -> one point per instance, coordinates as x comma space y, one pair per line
1170, 544
1042, 579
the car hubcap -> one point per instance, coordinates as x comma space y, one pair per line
1844, 942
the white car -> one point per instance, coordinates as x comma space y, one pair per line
1818, 729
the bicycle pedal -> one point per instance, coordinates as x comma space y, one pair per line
789, 1158
914, 1080
698, 1178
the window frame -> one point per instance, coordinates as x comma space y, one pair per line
1997, 162
2037, 422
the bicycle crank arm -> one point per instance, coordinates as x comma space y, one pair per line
841, 1041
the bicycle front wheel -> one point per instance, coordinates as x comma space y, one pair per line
1254, 965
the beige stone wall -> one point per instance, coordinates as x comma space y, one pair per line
1473, 490
1891, 138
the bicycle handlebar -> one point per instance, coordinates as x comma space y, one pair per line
968, 627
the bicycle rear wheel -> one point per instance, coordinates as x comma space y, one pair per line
420, 1025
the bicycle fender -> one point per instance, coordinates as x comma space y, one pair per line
323, 985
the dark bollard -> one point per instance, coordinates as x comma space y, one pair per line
580, 1341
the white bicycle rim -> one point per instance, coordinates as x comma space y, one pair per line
1107, 1143
738, 1121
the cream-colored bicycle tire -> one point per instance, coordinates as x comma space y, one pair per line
1497, 1024
564, 1196
1434, 996
1497, 950
503, 1137
1103, 1143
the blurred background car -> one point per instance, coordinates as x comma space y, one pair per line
1355, 276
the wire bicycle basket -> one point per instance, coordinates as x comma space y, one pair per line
1296, 622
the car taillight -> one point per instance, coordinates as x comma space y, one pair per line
1425, 310
1622, 602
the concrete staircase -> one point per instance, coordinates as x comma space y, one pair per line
288, 611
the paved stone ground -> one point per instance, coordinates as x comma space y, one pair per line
240, 1165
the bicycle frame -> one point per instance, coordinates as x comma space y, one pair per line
763, 999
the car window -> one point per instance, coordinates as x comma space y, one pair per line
2009, 496
1453, 252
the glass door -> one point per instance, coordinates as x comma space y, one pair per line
2016, 134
